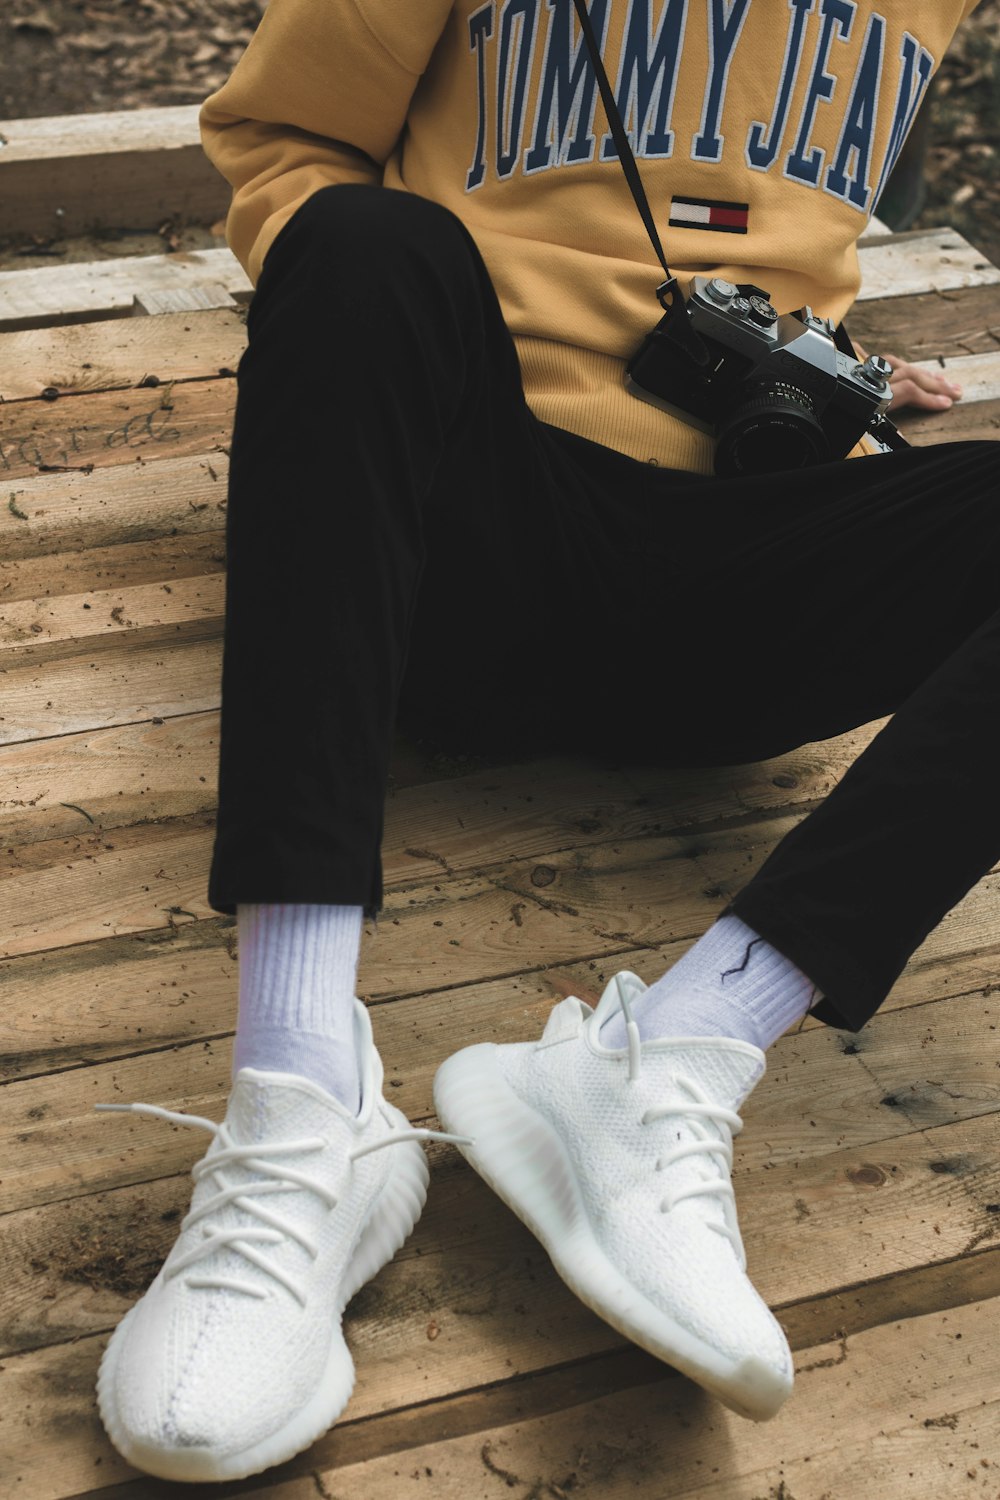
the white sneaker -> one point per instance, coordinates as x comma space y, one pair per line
234, 1358
618, 1160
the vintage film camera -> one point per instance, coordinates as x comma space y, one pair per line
775, 391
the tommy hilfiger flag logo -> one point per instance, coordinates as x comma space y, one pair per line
709, 213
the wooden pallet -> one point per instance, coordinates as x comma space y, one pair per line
868, 1175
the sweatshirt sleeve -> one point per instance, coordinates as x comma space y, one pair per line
319, 96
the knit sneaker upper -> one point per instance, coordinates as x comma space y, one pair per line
297, 1202
663, 1215
207, 1361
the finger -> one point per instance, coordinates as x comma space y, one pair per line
929, 380
907, 393
932, 380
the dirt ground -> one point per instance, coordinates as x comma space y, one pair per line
70, 56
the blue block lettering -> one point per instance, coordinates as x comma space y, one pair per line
517, 44
760, 152
802, 164
567, 93
725, 22
480, 28
854, 148
647, 77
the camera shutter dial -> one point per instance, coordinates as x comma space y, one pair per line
761, 312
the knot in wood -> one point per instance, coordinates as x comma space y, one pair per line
867, 1175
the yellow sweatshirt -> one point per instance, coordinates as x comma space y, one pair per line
764, 131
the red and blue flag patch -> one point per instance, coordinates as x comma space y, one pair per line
709, 213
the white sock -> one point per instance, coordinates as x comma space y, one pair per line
298, 970
731, 983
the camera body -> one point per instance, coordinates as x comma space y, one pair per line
774, 390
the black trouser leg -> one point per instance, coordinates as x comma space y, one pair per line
818, 602
387, 483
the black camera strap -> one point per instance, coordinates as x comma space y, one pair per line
621, 140
668, 293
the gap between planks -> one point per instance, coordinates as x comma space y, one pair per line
934, 260
75, 359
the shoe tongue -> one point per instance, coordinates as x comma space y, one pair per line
278, 1107
625, 983
726, 1068
263, 1109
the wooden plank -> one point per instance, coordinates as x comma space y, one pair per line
161, 876
113, 429
963, 422
138, 683
975, 418
896, 1412
182, 299
558, 1390
121, 503
925, 325
61, 138
535, 807
851, 1169
133, 773
938, 260
122, 352
64, 174
97, 891
977, 374
74, 1267
105, 289
652, 889
119, 352
109, 999
164, 559
145, 608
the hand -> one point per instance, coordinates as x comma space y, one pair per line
913, 386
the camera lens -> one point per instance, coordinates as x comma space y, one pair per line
773, 428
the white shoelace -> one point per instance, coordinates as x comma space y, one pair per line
278, 1178
709, 1144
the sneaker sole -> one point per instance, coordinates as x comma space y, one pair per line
519, 1154
392, 1218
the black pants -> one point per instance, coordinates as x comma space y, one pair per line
407, 543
